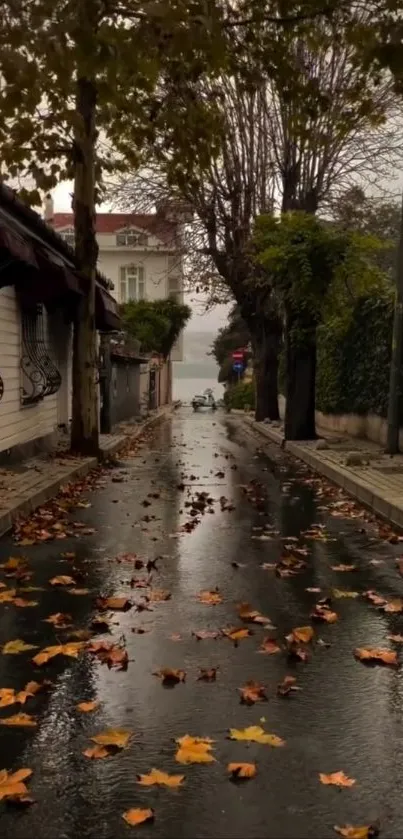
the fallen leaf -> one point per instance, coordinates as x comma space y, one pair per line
246, 613
137, 816
241, 770
398, 639
338, 779
194, 750
59, 620
8, 595
114, 655
374, 598
287, 686
322, 612
204, 634
8, 696
255, 734
16, 647
236, 634
96, 752
342, 567
157, 595
252, 692
394, 606
365, 831
175, 637
302, 634
71, 649
79, 591
116, 604
23, 604
19, 719
377, 656
207, 674
62, 581
156, 777
12, 785
339, 593
210, 598
269, 646
170, 677
116, 738
86, 707
313, 590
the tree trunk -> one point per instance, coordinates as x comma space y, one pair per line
265, 342
84, 431
300, 379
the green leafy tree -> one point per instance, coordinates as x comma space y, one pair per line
310, 264
74, 74
235, 335
156, 324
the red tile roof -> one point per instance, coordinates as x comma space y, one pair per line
113, 222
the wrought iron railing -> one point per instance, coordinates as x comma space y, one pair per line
40, 375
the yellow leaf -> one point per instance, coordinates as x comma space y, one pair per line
161, 779
242, 770
71, 649
8, 595
339, 593
116, 737
255, 734
194, 750
85, 707
171, 677
17, 646
19, 719
138, 816
338, 779
23, 604
157, 595
79, 591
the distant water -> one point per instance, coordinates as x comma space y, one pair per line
190, 378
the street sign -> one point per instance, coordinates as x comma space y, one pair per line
237, 367
238, 355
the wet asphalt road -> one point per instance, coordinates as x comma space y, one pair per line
346, 717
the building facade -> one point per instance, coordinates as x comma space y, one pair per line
140, 254
40, 287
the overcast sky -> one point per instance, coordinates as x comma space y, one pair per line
201, 321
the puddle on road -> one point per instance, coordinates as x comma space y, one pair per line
346, 716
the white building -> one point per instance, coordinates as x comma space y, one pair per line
139, 253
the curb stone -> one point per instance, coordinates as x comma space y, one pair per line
48, 488
360, 488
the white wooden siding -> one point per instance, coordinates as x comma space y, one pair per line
18, 424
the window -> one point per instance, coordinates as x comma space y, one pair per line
131, 283
39, 374
68, 236
131, 238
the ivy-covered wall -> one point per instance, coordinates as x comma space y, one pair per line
353, 359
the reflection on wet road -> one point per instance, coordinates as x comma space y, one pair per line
346, 717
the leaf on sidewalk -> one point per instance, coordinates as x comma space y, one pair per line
343, 567
207, 674
287, 686
71, 650
339, 593
323, 612
60, 620
115, 604
19, 720
236, 634
12, 786
249, 615
158, 595
114, 655
62, 581
303, 634
86, 707
365, 831
269, 646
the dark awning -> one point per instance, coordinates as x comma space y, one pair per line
52, 283
107, 317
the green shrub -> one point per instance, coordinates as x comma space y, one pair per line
353, 361
240, 395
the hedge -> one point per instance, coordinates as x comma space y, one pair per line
240, 395
353, 359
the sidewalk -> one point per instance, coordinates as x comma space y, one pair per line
27, 485
376, 481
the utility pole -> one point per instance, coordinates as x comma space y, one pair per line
392, 444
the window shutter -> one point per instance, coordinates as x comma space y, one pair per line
122, 283
141, 283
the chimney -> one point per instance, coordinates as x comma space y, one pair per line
49, 209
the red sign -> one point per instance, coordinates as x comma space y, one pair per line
238, 355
